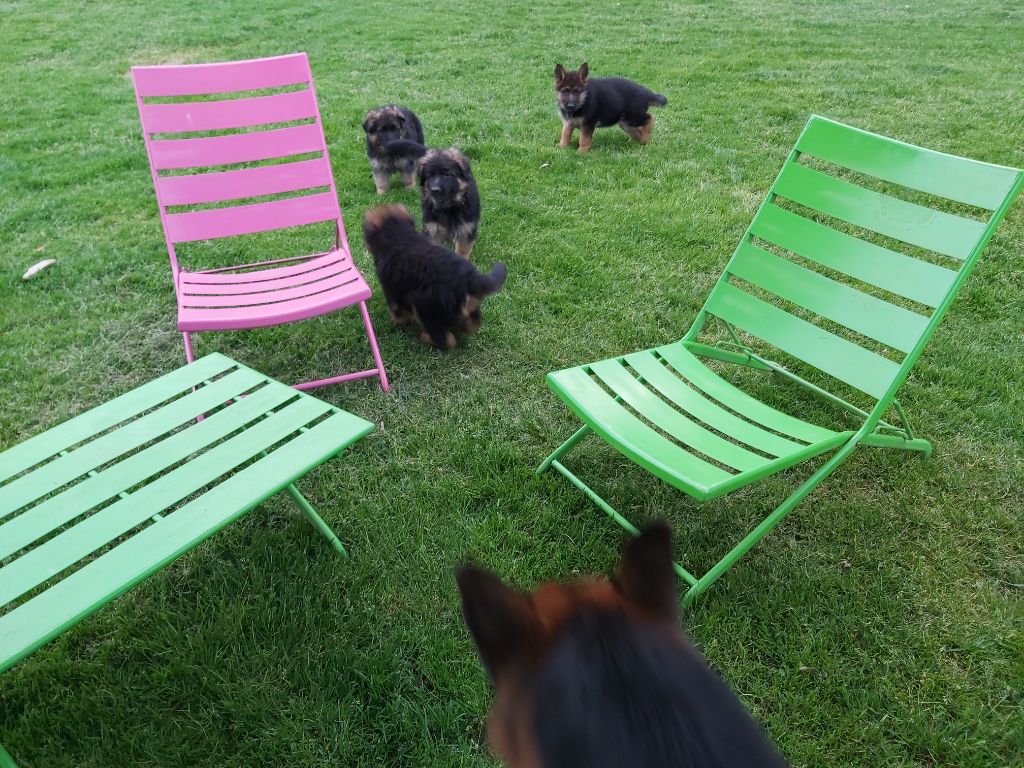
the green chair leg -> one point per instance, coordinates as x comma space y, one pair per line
315, 519
900, 443
564, 448
6, 761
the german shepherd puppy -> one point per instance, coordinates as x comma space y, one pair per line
448, 193
598, 674
425, 281
587, 104
382, 126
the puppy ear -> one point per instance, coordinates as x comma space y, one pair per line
462, 163
502, 621
366, 125
646, 576
559, 73
584, 70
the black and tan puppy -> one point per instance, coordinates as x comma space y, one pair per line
588, 103
448, 192
384, 125
425, 281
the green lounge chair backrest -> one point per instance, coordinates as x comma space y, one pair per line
808, 230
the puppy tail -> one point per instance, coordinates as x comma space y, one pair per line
657, 100
484, 285
405, 148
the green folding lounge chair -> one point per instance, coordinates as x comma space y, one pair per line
146, 477
802, 267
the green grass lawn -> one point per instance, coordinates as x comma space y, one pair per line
881, 624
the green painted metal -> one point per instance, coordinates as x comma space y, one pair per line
668, 412
142, 479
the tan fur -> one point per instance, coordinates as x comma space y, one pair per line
464, 248
567, 129
586, 139
374, 217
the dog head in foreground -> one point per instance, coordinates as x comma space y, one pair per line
597, 673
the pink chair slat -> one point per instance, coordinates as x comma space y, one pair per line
259, 286
262, 315
246, 182
247, 219
270, 297
231, 113
202, 79
189, 279
175, 154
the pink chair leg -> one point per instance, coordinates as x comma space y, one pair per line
189, 354
373, 347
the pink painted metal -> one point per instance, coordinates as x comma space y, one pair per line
265, 293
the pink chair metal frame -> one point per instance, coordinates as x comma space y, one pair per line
264, 293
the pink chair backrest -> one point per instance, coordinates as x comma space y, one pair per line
201, 155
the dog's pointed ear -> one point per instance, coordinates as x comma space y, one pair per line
646, 575
502, 621
584, 71
366, 125
559, 73
462, 163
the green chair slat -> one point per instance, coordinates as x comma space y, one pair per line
895, 272
45, 616
632, 437
954, 178
36, 449
861, 368
657, 411
55, 511
48, 478
95, 531
869, 316
690, 399
937, 231
693, 370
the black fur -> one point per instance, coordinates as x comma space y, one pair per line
616, 692
423, 280
448, 194
383, 126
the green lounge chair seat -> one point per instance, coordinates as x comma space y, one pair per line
825, 251
147, 477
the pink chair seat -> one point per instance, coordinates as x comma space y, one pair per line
222, 301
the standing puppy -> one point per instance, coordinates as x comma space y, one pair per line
450, 199
598, 674
421, 280
384, 125
587, 104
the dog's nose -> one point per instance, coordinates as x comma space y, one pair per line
433, 189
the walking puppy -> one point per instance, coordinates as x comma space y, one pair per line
588, 103
594, 674
425, 281
448, 192
382, 126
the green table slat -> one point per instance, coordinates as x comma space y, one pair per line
102, 527
40, 520
61, 606
53, 441
91, 455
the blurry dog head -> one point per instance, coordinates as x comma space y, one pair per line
571, 88
445, 177
385, 124
377, 222
598, 673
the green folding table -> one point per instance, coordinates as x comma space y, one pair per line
90, 508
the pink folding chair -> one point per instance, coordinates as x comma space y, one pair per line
264, 293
